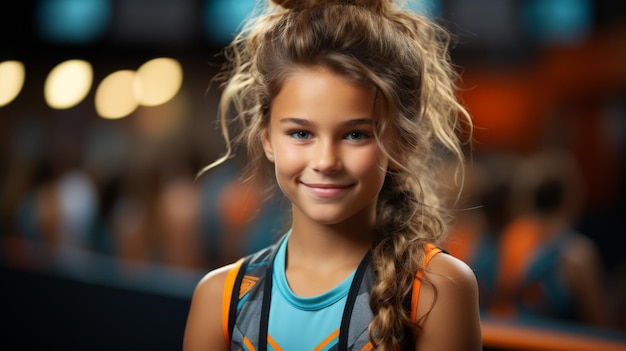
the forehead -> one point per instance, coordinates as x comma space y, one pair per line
310, 92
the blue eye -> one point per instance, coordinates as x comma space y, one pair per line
356, 135
300, 134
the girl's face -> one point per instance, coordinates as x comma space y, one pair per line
321, 140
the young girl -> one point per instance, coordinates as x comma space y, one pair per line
350, 106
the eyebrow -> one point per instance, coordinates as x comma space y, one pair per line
306, 122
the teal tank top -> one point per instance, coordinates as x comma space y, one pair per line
261, 313
318, 318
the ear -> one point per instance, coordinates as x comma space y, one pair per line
267, 145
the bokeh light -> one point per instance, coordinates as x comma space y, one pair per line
68, 83
12, 75
158, 81
115, 96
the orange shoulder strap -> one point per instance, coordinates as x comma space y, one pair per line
431, 250
227, 296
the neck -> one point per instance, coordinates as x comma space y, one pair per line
343, 243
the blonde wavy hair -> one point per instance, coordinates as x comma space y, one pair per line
404, 57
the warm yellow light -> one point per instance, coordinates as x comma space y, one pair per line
114, 96
12, 74
158, 81
68, 83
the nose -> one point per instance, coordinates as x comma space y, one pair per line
326, 157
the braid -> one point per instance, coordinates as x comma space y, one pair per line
406, 225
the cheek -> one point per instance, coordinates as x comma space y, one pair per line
288, 160
369, 164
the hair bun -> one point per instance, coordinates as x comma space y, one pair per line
303, 4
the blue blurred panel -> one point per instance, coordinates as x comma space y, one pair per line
72, 21
223, 18
429, 8
558, 21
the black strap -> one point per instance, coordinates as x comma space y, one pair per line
234, 297
352, 295
267, 298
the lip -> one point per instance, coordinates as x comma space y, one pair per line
326, 190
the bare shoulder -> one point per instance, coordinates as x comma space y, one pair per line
210, 288
213, 282
204, 322
451, 287
448, 306
447, 270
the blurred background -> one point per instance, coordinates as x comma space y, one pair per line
107, 114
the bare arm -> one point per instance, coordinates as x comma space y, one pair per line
451, 302
203, 331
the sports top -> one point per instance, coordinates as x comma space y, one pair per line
253, 283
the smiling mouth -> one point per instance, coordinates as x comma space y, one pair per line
326, 190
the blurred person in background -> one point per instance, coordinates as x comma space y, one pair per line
56, 213
545, 267
178, 219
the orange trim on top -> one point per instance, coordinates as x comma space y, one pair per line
367, 347
248, 344
226, 297
328, 339
431, 250
273, 343
247, 283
